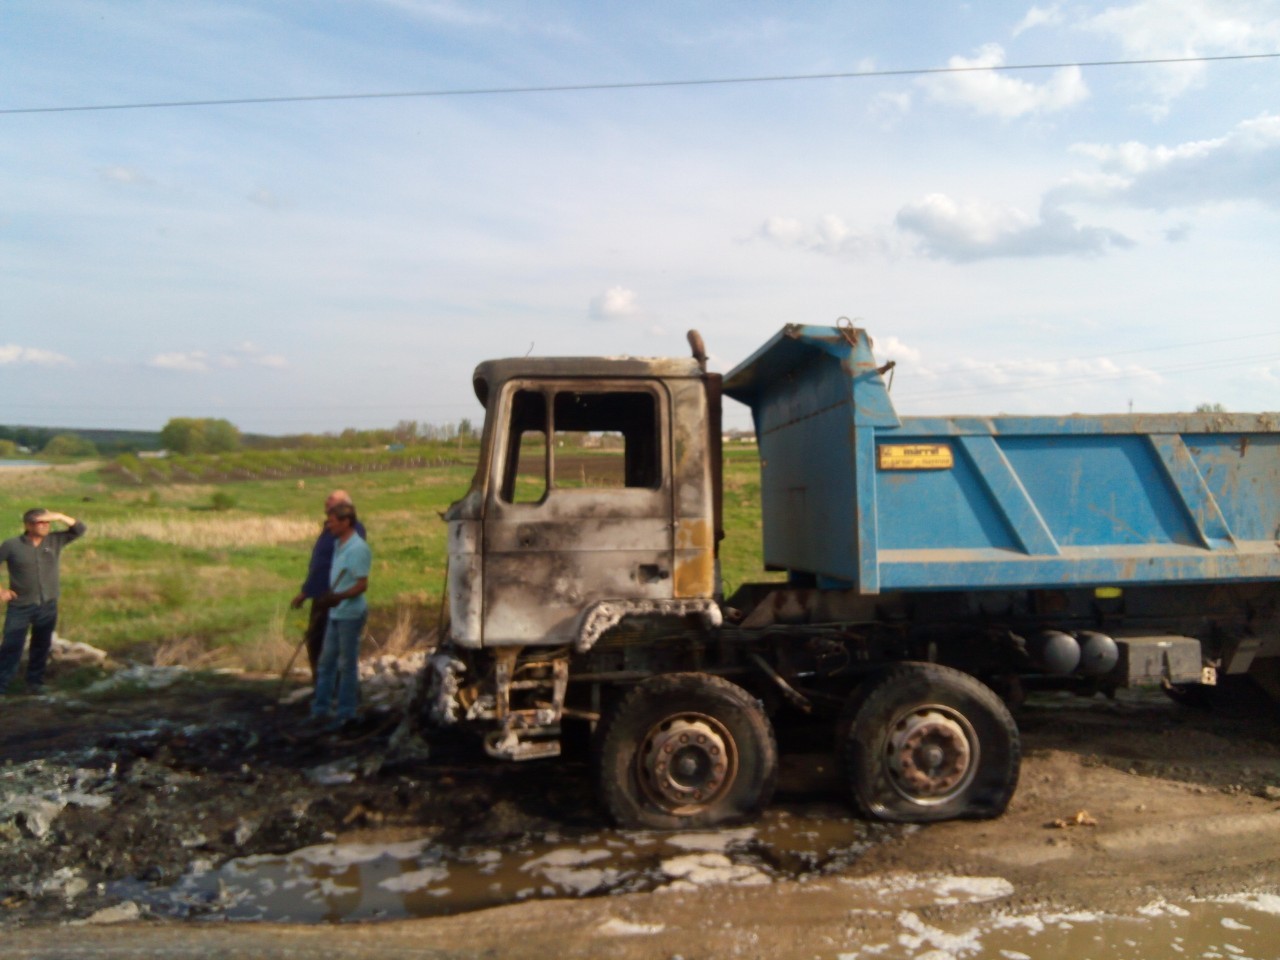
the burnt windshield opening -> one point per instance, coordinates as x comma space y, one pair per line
607, 439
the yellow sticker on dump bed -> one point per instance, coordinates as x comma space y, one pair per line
915, 456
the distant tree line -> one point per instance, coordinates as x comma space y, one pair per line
406, 433
46, 442
33, 438
190, 436
71, 442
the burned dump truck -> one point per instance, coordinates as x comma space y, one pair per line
936, 569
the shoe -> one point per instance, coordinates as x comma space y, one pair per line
340, 725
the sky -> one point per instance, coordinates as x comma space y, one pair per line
1072, 239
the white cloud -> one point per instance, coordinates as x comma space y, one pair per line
829, 235
891, 348
250, 353
12, 353
967, 231
1004, 95
1242, 165
1050, 16
201, 361
446, 12
195, 361
944, 383
265, 198
127, 176
615, 303
1152, 29
891, 106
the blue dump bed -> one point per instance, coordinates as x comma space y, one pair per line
858, 497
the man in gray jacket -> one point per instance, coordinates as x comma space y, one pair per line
32, 595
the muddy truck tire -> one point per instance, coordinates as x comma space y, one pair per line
685, 750
923, 742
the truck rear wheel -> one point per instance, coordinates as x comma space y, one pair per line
685, 750
923, 742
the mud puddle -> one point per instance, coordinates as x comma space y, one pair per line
1237, 927
429, 877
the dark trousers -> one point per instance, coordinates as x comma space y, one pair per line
40, 619
316, 626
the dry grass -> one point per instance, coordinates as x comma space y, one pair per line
273, 651
190, 652
168, 586
205, 533
403, 634
270, 652
43, 486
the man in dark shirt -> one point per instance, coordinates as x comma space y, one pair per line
316, 587
32, 595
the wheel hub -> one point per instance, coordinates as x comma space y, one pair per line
931, 754
686, 761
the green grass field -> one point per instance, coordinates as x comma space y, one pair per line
165, 577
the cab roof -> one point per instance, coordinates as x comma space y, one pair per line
491, 374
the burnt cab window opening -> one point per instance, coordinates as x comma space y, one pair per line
524, 476
599, 440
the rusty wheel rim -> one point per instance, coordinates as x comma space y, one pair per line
687, 762
931, 754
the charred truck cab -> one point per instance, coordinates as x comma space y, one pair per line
937, 568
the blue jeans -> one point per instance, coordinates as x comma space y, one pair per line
40, 618
339, 665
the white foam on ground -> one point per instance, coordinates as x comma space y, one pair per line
582, 880
896, 890
415, 880
943, 945
613, 927
1262, 902
350, 854
150, 678
567, 857
717, 842
567, 869
704, 869
1162, 908
1038, 923
329, 889
920, 941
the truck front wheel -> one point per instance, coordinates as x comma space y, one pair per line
685, 750
923, 742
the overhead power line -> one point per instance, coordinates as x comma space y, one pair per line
632, 85
1171, 346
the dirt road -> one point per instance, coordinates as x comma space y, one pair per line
107, 805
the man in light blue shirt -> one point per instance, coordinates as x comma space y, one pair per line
348, 612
